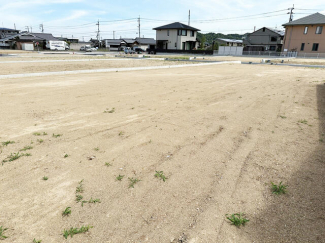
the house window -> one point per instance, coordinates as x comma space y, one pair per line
319, 30
306, 30
302, 46
192, 33
272, 48
167, 32
182, 32
315, 47
273, 38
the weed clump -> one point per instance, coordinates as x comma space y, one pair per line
237, 219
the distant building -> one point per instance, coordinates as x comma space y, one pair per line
119, 44
5, 32
229, 42
264, 39
176, 36
305, 34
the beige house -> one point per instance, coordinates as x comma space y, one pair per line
305, 35
176, 36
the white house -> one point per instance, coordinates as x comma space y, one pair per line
176, 36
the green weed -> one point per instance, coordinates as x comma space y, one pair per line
80, 188
66, 212
2, 230
160, 174
7, 142
66, 156
283, 117
37, 134
121, 133
133, 181
56, 135
303, 121
79, 197
91, 200
119, 177
237, 219
96, 149
26, 148
278, 189
37, 241
108, 164
45, 178
73, 231
40, 140
109, 111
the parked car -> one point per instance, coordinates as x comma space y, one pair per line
83, 48
139, 50
128, 50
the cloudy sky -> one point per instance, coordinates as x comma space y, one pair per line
78, 18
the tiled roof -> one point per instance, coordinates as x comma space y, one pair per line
176, 25
315, 18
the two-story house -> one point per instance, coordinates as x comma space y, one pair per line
176, 36
305, 34
264, 39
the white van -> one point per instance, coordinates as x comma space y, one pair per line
57, 45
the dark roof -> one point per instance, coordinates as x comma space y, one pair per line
22, 36
6, 29
146, 41
176, 25
115, 41
279, 32
315, 18
45, 36
230, 40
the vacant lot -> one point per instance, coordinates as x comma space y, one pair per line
219, 134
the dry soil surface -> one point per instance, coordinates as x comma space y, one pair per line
221, 134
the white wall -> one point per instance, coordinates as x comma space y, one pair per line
231, 50
27, 47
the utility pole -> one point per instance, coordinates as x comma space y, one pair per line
27, 28
15, 25
31, 29
139, 26
291, 13
189, 17
114, 35
98, 33
41, 28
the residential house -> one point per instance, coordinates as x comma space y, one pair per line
229, 42
119, 44
145, 43
264, 39
114, 44
176, 36
305, 34
6, 33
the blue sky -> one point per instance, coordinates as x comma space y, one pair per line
78, 18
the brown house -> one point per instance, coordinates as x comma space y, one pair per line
305, 35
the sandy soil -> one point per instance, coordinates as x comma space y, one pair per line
221, 135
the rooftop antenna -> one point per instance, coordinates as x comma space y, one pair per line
189, 17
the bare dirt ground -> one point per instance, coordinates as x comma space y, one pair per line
221, 134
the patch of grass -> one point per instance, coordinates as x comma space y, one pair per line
27, 154
37, 241
56, 135
79, 197
2, 230
66, 156
7, 142
45, 178
96, 149
160, 174
133, 181
237, 219
80, 188
73, 231
119, 177
278, 189
12, 157
110, 111
303, 121
40, 140
283, 117
91, 200
108, 164
66, 211
26, 148
37, 134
